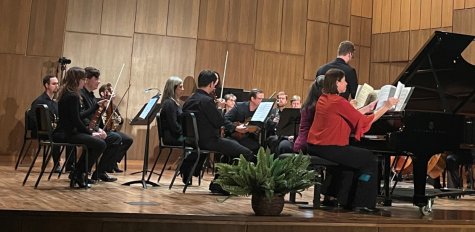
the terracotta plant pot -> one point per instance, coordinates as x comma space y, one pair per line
262, 206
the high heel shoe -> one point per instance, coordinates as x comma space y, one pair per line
80, 179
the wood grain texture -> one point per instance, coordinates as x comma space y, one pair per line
377, 17
240, 67
395, 70
46, 30
118, 17
459, 4
336, 34
213, 20
294, 27
447, 13
405, 15
365, 32
367, 9
242, 21
14, 16
355, 61
386, 16
399, 46
319, 10
426, 6
379, 75
416, 40
84, 16
436, 14
356, 6
151, 17
211, 55
395, 15
462, 21
340, 12
365, 63
355, 30
316, 48
469, 4
469, 53
269, 25
380, 48
415, 15
278, 72
183, 18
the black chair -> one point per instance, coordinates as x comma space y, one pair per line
319, 165
191, 138
26, 138
161, 146
45, 142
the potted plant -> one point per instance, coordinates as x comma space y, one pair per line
268, 181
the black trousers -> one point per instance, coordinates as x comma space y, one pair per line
113, 141
353, 191
124, 147
462, 157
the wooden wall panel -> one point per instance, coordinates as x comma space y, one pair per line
365, 63
212, 55
155, 59
84, 16
386, 16
306, 89
447, 13
213, 19
242, 21
399, 46
47, 24
395, 15
355, 61
151, 17
415, 15
319, 10
14, 16
459, 4
294, 26
436, 14
356, 7
365, 32
379, 75
380, 48
367, 9
336, 34
377, 17
269, 67
240, 66
405, 15
269, 25
469, 53
340, 12
416, 40
426, 6
316, 48
118, 17
462, 21
469, 4
355, 30
183, 18
395, 70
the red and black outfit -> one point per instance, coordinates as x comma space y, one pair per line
335, 119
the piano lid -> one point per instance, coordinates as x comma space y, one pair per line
443, 80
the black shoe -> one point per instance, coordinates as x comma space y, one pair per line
116, 169
216, 188
365, 210
91, 181
110, 171
80, 180
185, 172
57, 169
104, 177
330, 203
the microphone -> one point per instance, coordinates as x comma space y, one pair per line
156, 95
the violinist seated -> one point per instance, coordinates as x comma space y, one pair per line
286, 143
51, 85
171, 111
235, 122
114, 120
89, 110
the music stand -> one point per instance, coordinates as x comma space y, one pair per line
146, 121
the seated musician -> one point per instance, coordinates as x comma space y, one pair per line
335, 118
106, 93
71, 129
272, 139
51, 85
239, 114
210, 120
88, 108
171, 111
230, 101
295, 102
453, 162
286, 143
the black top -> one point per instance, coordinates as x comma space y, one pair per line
350, 76
239, 113
69, 115
170, 117
42, 99
208, 117
89, 106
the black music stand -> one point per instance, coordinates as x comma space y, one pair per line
146, 121
289, 125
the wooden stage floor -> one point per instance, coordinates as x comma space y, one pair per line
56, 207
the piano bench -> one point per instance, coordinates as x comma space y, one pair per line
319, 165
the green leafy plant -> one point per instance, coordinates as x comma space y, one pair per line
269, 176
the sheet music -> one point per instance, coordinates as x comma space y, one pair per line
149, 107
363, 95
262, 111
358, 90
399, 88
385, 93
404, 98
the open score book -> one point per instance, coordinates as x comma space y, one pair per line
365, 94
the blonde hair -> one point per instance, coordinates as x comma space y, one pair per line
169, 90
71, 82
295, 98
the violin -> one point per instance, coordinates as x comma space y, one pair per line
94, 120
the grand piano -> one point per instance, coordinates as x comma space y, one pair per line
433, 120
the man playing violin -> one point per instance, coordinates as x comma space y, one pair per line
88, 108
106, 93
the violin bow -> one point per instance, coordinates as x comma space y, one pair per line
224, 74
113, 90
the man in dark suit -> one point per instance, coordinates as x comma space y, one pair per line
210, 119
345, 54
